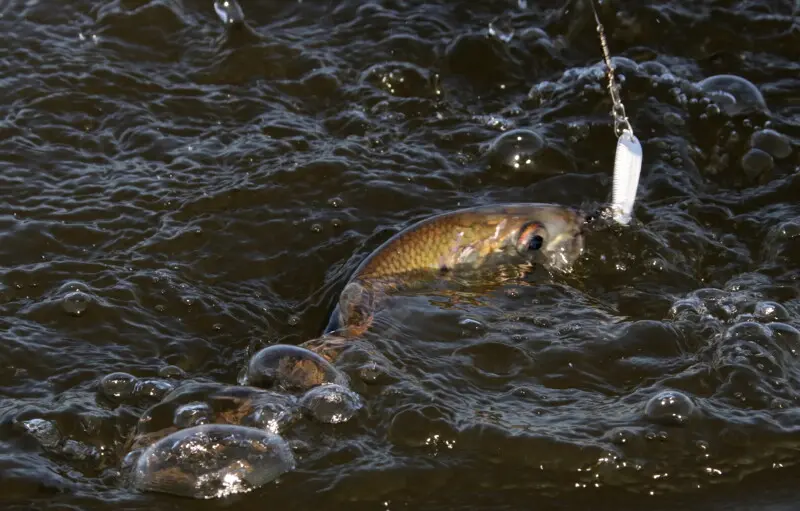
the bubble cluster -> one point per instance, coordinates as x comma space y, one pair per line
205, 403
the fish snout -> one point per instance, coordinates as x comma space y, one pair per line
565, 249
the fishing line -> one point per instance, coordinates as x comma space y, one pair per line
628, 157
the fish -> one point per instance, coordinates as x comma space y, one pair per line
454, 242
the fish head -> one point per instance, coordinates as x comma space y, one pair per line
551, 236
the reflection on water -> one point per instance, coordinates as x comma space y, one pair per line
186, 188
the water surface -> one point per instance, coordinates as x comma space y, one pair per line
176, 194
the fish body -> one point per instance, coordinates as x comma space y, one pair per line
464, 239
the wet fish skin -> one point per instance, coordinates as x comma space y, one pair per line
468, 238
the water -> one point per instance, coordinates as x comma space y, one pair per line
179, 192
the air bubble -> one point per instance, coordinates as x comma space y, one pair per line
331, 404
192, 414
772, 142
212, 461
669, 408
155, 389
653, 68
733, 93
291, 368
172, 372
472, 325
621, 436
756, 162
75, 303
770, 311
516, 149
118, 386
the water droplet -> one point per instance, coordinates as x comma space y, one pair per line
771, 142
733, 93
212, 461
331, 404
75, 303
290, 367
670, 408
229, 11
118, 386
756, 162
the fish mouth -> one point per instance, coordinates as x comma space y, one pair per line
564, 250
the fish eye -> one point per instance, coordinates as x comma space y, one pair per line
536, 242
531, 237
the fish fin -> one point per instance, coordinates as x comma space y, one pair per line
356, 307
334, 323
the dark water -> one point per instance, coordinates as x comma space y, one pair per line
176, 196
